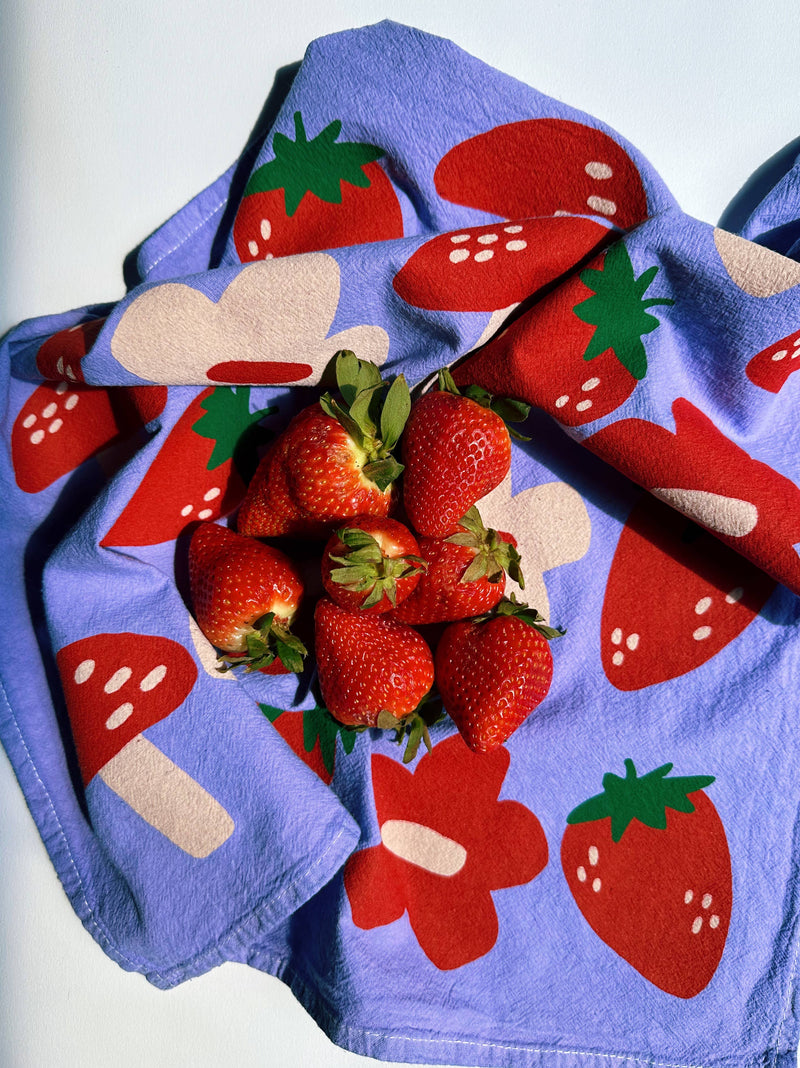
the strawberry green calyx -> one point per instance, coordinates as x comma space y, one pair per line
644, 798
618, 309
509, 409
494, 557
415, 727
510, 606
373, 413
270, 640
318, 166
365, 569
227, 421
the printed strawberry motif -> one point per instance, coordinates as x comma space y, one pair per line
373, 671
492, 672
61, 425
542, 167
484, 268
117, 686
465, 574
193, 475
770, 368
245, 596
456, 448
312, 735
577, 353
647, 862
60, 356
316, 194
447, 845
708, 478
334, 461
371, 565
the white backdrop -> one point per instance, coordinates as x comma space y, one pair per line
112, 115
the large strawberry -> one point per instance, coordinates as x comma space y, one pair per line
60, 356
245, 595
485, 268
193, 476
456, 448
334, 461
373, 671
542, 167
317, 194
117, 686
465, 574
371, 565
61, 425
770, 368
492, 672
578, 352
647, 862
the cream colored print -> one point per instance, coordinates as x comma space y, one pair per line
551, 525
757, 270
270, 326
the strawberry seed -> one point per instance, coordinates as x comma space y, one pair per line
596, 884
252, 248
714, 921
458, 255
687, 897
459, 239
266, 229
702, 605
516, 246
50, 411
734, 595
487, 239
37, 436
706, 901
481, 257
594, 855
779, 355
596, 169
601, 205
701, 634
581, 873
28, 421
698, 923
632, 641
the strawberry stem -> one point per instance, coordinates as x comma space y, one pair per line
509, 409
644, 798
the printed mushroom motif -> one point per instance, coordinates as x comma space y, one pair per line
771, 367
117, 686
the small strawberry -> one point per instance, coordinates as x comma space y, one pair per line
245, 596
493, 671
373, 671
334, 461
371, 565
455, 448
465, 576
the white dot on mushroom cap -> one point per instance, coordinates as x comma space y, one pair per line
596, 884
687, 897
119, 715
487, 239
734, 595
153, 678
50, 410
632, 641
698, 923
83, 671
581, 873
187, 509
118, 679
28, 421
779, 355
701, 634
459, 239
617, 658
60, 363
516, 246
562, 401
512, 229
61, 387
596, 169
212, 493
458, 255
252, 248
70, 373
583, 406
590, 383
601, 205
37, 436
71, 401
702, 605
266, 229
55, 426
706, 901
484, 255
594, 855
616, 635
714, 921
205, 514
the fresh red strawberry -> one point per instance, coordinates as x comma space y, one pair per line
371, 565
577, 353
373, 671
770, 368
455, 450
541, 167
465, 574
245, 595
493, 671
193, 476
61, 425
312, 735
647, 862
61, 354
485, 268
334, 461
316, 194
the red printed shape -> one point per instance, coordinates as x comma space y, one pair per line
708, 478
647, 862
59, 358
544, 166
770, 369
447, 842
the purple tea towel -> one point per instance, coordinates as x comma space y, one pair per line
618, 883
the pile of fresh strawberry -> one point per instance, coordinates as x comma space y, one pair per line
409, 608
